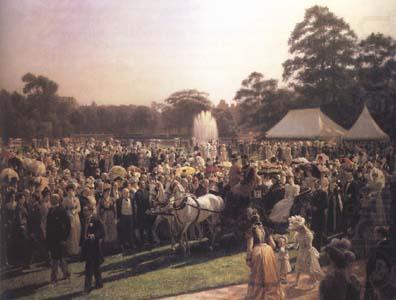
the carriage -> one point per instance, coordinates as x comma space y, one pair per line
229, 213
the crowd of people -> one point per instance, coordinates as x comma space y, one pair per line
94, 197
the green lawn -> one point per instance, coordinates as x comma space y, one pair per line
145, 275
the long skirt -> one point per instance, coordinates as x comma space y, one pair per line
264, 283
73, 241
110, 227
308, 262
281, 211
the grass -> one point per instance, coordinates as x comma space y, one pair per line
146, 275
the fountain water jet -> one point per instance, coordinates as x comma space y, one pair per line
205, 128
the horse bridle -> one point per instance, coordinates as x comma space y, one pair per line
183, 204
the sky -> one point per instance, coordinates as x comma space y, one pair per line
139, 51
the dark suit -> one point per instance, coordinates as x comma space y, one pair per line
351, 205
274, 195
143, 222
319, 204
91, 251
125, 228
334, 216
90, 167
58, 229
23, 241
200, 191
383, 250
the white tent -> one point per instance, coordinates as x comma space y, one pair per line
306, 124
365, 128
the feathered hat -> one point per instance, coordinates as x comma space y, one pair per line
339, 252
295, 222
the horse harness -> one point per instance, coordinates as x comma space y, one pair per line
184, 203
161, 213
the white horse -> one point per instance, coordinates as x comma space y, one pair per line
189, 210
165, 215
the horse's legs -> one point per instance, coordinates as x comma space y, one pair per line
173, 232
184, 238
154, 228
200, 232
213, 222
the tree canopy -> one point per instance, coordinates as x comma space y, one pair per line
322, 47
328, 68
261, 102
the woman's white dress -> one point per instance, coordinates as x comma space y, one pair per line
281, 211
376, 203
307, 256
72, 206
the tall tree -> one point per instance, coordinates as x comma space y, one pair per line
226, 123
38, 85
376, 61
322, 66
184, 105
260, 101
377, 77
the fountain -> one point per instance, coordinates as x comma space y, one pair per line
205, 128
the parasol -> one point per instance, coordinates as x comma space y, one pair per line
117, 171
185, 171
9, 174
323, 157
133, 169
226, 164
34, 166
300, 160
42, 150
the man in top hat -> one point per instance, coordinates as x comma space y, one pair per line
91, 251
125, 212
351, 204
319, 205
58, 229
141, 199
24, 248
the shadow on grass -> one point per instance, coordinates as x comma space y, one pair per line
138, 264
148, 262
23, 291
68, 296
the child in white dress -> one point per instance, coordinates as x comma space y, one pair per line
283, 258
